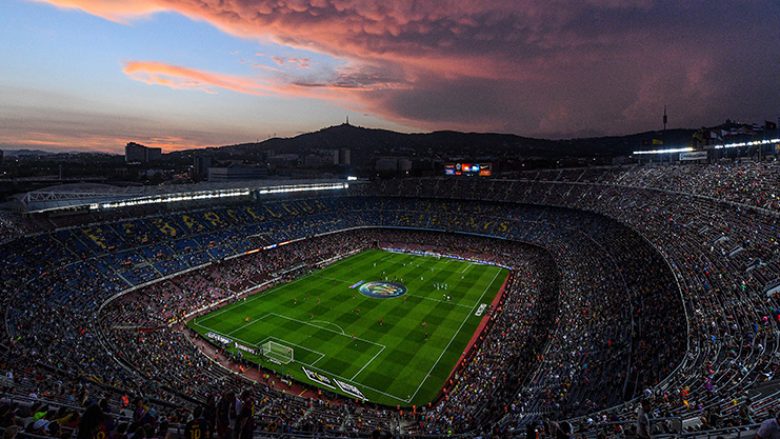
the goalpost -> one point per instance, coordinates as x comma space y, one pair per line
277, 352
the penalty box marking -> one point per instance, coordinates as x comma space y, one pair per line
312, 365
380, 345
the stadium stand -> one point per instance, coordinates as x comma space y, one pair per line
652, 283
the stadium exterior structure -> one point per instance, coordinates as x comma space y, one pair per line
95, 197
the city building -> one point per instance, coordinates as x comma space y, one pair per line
200, 166
137, 153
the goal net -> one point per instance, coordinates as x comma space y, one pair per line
277, 352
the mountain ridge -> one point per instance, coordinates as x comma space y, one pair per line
367, 143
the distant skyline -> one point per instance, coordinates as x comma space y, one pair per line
95, 74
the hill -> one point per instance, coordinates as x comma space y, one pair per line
368, 143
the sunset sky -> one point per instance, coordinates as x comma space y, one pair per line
95, 74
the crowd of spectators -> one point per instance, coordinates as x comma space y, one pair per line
746, 181
680, 308
9, 227
753, 183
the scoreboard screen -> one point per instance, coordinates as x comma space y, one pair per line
468, 169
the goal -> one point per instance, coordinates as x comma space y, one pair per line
277, 352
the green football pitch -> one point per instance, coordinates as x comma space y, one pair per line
394, 341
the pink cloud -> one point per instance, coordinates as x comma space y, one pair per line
119, 11
183, 78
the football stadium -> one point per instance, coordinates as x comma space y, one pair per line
415, 307
389, 219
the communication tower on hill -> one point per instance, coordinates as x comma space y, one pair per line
665, 119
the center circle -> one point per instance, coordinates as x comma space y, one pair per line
382, 290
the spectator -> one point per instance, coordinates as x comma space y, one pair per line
643, 427
770, 429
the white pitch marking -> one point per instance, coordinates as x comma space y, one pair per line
334, 279
330, 323
439, 300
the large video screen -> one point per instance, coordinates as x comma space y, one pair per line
468, 169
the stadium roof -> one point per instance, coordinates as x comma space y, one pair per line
96, 196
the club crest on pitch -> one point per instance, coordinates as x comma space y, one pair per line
382, 290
